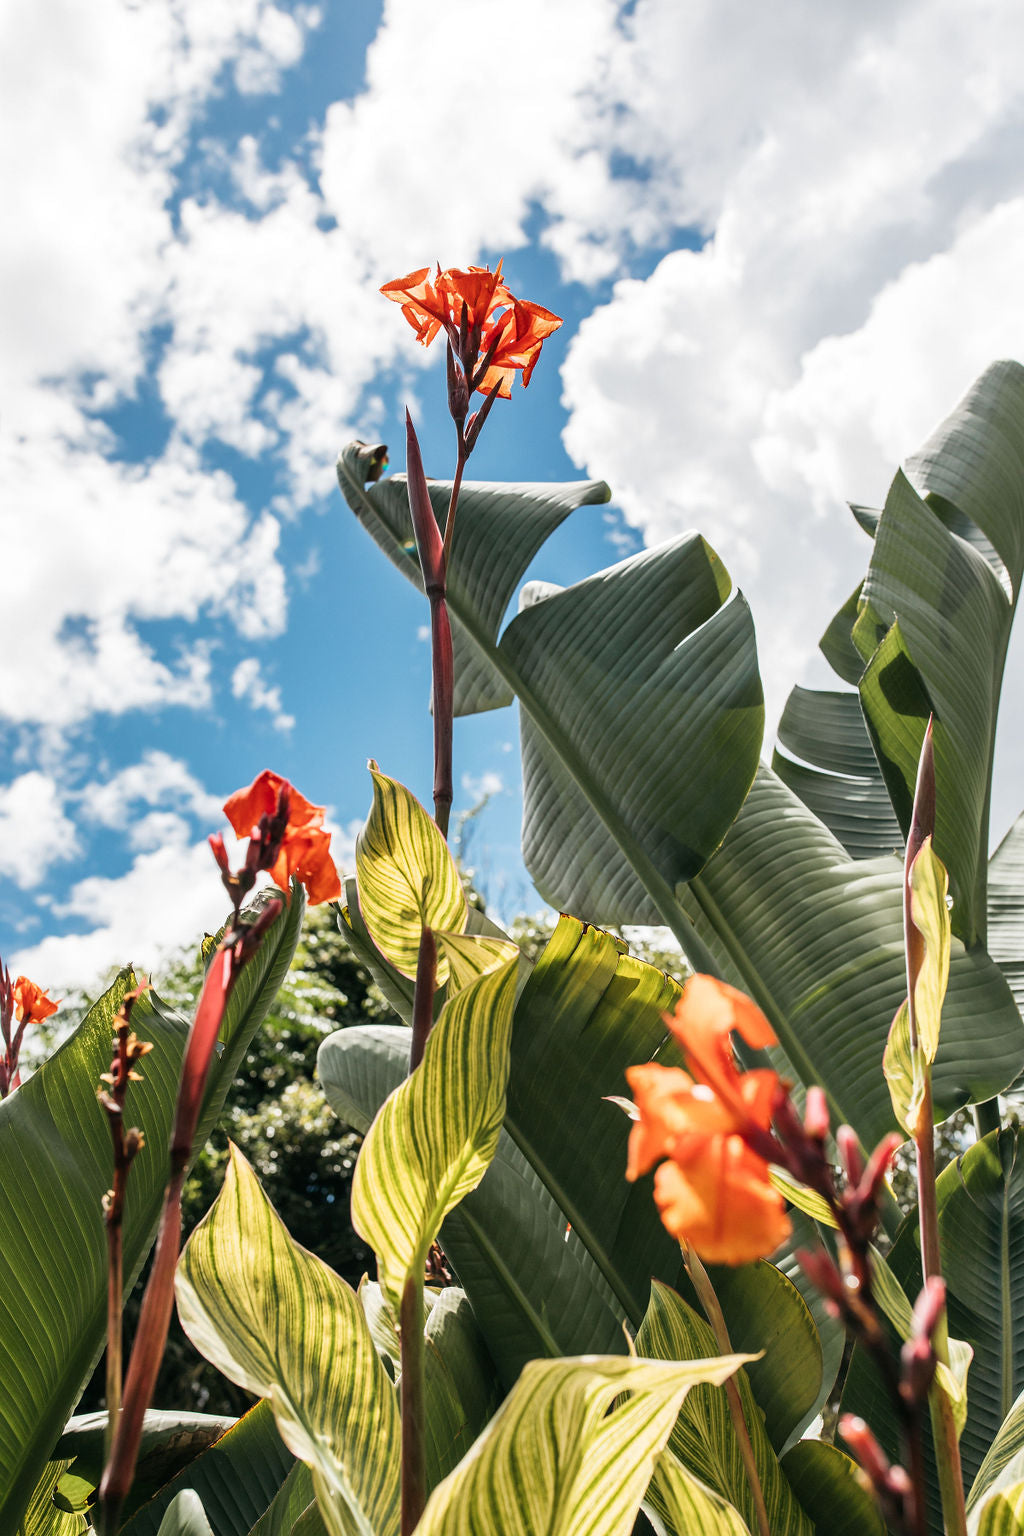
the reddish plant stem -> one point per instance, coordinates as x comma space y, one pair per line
423, 997
443, 707
453, 500
414, 1471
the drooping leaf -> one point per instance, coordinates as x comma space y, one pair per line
279, 1323
57, 1166
237, 1478
571, 1450
828, 760
704, 1439
431, 1142
930, 916
936, 611
499, 530
185, 1517
406, 876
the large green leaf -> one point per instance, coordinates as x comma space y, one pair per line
237, 1478
294, 1509
816, 938
56, 1162
571, 1450
498, 531
460, 1383
279, 1323
642, 704
981, 1231
642, 717
1002, 1467
828, 760
534, 1288
432, 1140
42, 1517
827, 1483
935, 616
169, 1442
704, 1439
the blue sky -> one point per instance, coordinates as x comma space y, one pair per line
783, 240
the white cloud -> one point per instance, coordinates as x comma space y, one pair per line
855, 170
34, 831
247, 683
482, 786
157, 780
168, 899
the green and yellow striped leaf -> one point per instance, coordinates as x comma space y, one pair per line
571, 1450
57, 1167
703, 1438
1003, 1513
42, 1517
904, 1068
929, 885
470, 955
433, 1138
406, 876
685, 1505
279, 1323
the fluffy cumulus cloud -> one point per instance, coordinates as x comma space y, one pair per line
247, 682
35, 833
855, 176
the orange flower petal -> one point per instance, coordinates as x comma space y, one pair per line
31, 1001
722, 1203
305, 847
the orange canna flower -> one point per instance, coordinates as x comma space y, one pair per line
514, 327
722, 1203
714, 1190
32, 1002
305, 847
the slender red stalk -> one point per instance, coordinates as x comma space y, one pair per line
423, 997
432, 564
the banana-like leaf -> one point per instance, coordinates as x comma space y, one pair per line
237, 1478
1006, 909
433, 1139
279, 1323
406, 876
651, 639
828, 760
642, 718
981, 1231
936, 611
170, 1441
826, 1482
1003, 1465
56, 1157
460, 1383
703, 1438
684, 1505
498, 531
294, 1511
816, 938
1002, 1514
186, 1517
534, 1288
571, 1450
